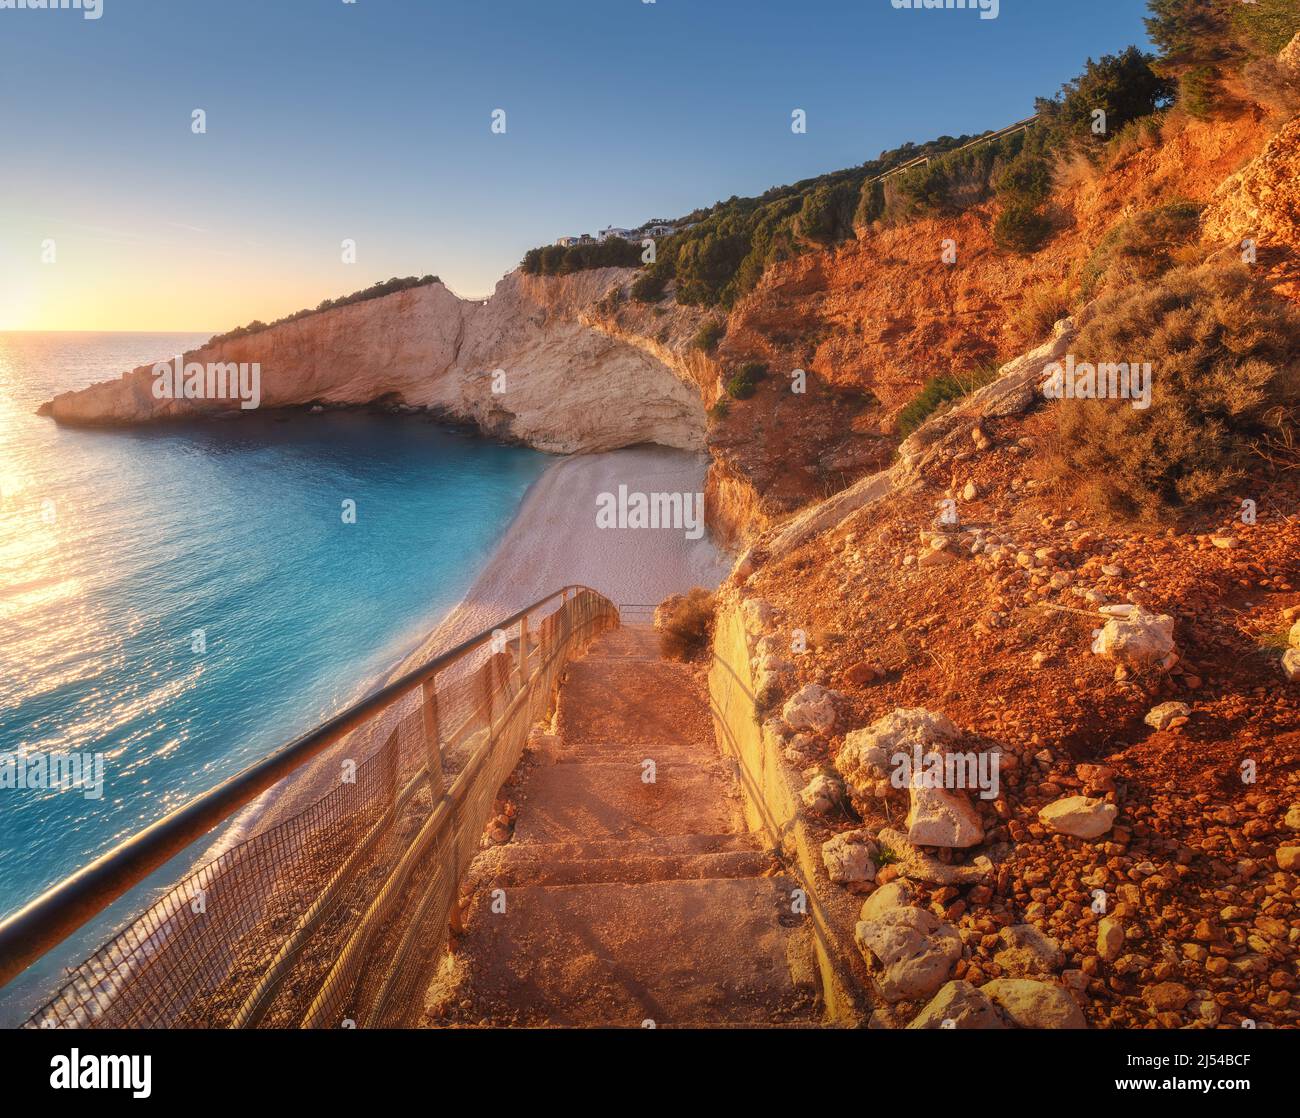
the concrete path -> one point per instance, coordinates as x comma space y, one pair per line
628, 900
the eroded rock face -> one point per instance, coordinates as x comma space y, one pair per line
811, 708
866, 758
1262, 201
427, 348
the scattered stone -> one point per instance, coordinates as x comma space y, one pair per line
959, 1005
1026, 952
1080, 816
1168, 716
916, 864
757, 616
897, 894
1110, 939
862, 673
1225, 542
941, 818
970, 492
909, 952
812, 707
1288, 857
1166, 996
1292, 819
1139, 641
1291, 664
1031, 1004
865, 760
821, 794
850, 857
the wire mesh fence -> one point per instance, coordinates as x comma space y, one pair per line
338, 915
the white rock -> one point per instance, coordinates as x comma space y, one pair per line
1164, 715
959, 1005
1035, 1005
909, 951
1080, 816
939, 817
899, 893
821, 794
850, 857
866, 758
812, 707
1291, 664
1142, 640
757, 616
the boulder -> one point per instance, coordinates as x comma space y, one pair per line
1030, 1004
897, 894
914, 863
866, 758
909, 952
1025, 951
850, 857
1142, 640
1080, 816
1166, 716
1291, 664
812, 707
821, 794
757, 616
941, 818
959, 1005
1288, 858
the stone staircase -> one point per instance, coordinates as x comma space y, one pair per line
619, 900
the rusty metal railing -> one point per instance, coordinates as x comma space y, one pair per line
336, 914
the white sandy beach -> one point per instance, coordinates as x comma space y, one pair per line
553, 542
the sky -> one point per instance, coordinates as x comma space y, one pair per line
328, 120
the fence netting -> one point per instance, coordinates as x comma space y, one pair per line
338, 915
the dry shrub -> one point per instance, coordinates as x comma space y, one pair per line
685, 623
1144, 247
1039, 310
1225, 395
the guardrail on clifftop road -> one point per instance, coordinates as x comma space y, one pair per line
339, 913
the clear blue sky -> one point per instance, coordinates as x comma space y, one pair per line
371, 120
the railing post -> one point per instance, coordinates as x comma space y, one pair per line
432, 736
523, 650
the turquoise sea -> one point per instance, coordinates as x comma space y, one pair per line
118, 548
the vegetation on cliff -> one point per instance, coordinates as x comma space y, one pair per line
374, 291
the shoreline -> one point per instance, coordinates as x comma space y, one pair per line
551, 542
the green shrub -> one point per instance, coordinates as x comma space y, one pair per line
1125, 86
1198, 90
939, 391
562, 260
685, 622
648, 287
744, 382
721, 409
374, 291
1266, 25
826, 215
1021, 228
1027, 179
710, 334
1225, 394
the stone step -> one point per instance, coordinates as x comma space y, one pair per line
592, 799
700, 953
514, 865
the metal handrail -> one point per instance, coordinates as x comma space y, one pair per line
61, 910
